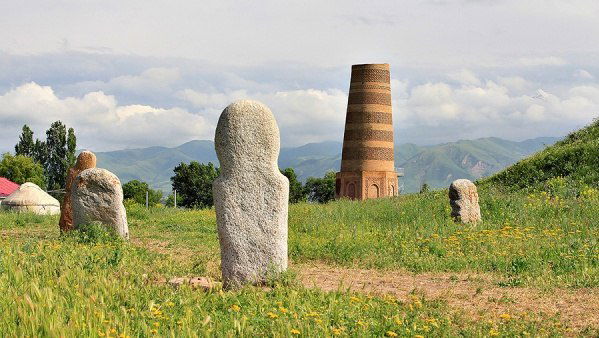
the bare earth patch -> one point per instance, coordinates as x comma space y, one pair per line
476, 295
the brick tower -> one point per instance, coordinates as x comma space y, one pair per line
367, 166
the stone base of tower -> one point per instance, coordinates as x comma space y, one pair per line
364, 185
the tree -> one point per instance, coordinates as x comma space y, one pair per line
193, 183
424, 188
296, 191
40, 153
321, 190
55, 155
136, 190
57, 161
26, 145
21, 169
71, 147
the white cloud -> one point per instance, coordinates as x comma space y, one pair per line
491, 110
465, 76
307, 115
99, 121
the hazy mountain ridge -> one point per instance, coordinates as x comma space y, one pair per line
437, 165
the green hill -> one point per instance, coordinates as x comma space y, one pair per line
575, 158
436, 165
439, 165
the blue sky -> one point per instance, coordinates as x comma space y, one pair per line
149, 73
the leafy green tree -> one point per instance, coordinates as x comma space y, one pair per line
296, 190
321, 190
71, 147
193, 183
57, 162
55, 155
26, 145
60, 154
424, 188
40, 153
21, 169
136, 190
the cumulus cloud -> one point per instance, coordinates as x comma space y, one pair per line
307, 115
465, 76
493, 109
100, 122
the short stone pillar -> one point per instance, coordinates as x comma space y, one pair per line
85, 160
250, 195
463, 198
97, 196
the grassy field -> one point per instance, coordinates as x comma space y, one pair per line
87, 286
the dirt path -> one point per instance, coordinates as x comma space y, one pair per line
476, 295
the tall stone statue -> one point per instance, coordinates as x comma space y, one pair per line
367, 165
250, 195
85, 160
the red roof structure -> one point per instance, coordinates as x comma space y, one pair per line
7, 187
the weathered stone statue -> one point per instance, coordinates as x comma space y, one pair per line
85, 160
250, 195
463, 198
97, 196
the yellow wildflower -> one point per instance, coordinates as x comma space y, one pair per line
336, 331
235, 307
493, 333
295, 331
390, 334
505, 316
283, 310
272, 315
354, 299
101, 334
156, 324
154, 331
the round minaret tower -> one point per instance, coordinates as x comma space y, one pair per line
367, 166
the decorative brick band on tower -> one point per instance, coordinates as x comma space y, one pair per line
367, 166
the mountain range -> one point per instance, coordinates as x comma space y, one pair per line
436, 165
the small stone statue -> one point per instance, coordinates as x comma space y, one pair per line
463, 198
85, 160
98, 197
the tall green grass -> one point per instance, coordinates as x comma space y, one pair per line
75, 286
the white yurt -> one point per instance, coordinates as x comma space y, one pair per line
31, 198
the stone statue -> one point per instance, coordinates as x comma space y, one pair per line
97, 196
85, 160
463, 198
250, 195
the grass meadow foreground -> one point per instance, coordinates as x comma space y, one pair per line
544, 243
